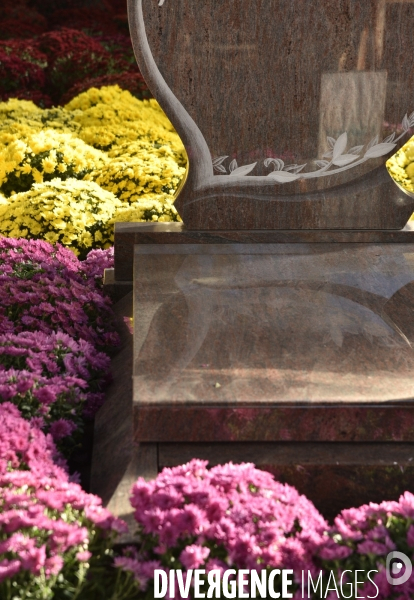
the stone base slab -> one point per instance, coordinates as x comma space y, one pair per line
127, 235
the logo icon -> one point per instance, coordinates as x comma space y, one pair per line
398, 568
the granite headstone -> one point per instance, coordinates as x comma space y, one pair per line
251, 341
288, 109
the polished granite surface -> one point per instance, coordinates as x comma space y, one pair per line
127, 235
288, 109
265, 325
340, 454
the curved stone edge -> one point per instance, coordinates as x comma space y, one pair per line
200, 168
200, 185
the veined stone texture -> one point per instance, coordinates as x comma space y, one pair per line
288, 109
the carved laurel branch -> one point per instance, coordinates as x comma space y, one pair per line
337, 155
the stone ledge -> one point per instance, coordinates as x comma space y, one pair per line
115, 289
127, 235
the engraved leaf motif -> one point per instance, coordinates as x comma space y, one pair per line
295, 168
355, 149
405, 123
283, 176
244, 170
344, 159
373, 142
219, 160
340, 145
379, 150
282, 173
390, 138
233, 165
277, 162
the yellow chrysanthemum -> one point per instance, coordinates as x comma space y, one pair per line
129, 179
3, 205
401, 166
42, 212
44, 155
13, 105
110, 116
22, 117
153, 207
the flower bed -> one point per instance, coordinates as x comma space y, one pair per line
54, 66
68, 174
361, 538
19, 19
401, 166
235, 517
56, 319
55, 539
77, 214
44, 156
131, 81
42, 288
55, 381
231, 516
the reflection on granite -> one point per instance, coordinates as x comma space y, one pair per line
274, 323
310, 346
127, 235
293, 72
287, 109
